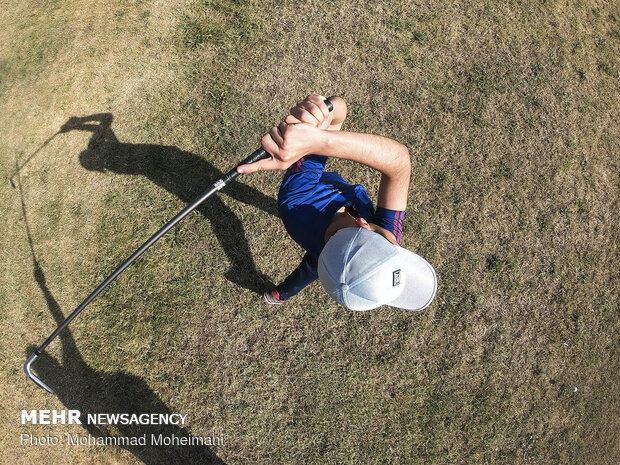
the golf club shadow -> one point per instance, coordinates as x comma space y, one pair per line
79, 387
185, 175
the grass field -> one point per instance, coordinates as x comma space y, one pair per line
510, 111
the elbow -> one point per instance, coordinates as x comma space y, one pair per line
400, 163
404, 158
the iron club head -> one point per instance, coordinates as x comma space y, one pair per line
32, 376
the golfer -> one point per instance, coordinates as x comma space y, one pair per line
351, 246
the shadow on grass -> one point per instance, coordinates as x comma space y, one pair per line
185, 175
81, 388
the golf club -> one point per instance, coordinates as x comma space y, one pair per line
217, 185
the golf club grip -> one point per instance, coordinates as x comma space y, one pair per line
261, 153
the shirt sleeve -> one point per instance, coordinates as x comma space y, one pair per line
392, 220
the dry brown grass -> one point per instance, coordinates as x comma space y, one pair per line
510, 111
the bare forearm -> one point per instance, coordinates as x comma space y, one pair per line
387, 156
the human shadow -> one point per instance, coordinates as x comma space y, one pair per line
79, 387
185, 175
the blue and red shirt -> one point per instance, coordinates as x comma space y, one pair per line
309, 198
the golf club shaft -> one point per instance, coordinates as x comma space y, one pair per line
217, 185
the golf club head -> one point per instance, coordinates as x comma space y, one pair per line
32, 376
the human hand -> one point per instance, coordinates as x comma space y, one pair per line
312, 110
286, 144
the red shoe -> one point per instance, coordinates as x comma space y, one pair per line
273, 297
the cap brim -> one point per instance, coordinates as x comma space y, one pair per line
420, 282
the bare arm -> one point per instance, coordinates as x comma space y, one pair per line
385, 155
312, 129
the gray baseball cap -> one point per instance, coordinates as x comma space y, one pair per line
362, 270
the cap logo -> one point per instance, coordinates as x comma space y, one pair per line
396, 278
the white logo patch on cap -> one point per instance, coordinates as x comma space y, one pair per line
396, 278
